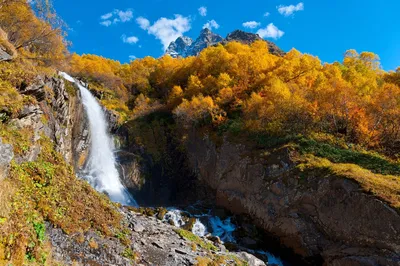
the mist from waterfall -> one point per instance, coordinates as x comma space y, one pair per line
100, 169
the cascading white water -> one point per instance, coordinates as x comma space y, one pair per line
175, 216
100, 170
199, 228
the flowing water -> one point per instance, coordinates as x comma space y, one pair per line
209, 224
100, 169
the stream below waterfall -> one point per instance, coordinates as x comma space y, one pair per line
208, 224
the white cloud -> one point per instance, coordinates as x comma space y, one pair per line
266, 14
116, 16
203, 11
251, 24
125, 16
289, 10
271, 31
166, 30
144, 23
132, 57
106, 16
106, 23
211, 24
130, 40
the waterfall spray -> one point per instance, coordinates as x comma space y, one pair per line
100, 169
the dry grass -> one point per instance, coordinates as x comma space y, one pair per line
386, 187
93, 244
6, 192
202, 261
220, 260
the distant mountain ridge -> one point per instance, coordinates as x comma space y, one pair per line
185, 46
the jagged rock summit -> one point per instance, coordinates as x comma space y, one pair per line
185, 46
249, 38
179, 47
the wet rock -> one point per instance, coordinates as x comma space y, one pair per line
214, 239
248, 242
161, 213
112, 119
6, 155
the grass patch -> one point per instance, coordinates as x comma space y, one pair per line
385, 187
334, 149
70, 88
344, 154
195, 239
20, 138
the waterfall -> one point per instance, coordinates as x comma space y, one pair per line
100, 169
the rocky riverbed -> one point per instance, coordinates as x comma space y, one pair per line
149, 241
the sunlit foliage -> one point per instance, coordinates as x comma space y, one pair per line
34, 30
273, 95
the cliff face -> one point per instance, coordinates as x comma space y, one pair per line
318, 215
153, 165
65, 121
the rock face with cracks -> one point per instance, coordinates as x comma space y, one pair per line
321, 217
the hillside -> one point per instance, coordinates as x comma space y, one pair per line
299, 153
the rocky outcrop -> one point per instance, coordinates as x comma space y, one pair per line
56, 114
321, 217
152, 242
6, 155
185, 46
206, 39
179, 47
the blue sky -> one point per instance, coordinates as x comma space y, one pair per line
124, 29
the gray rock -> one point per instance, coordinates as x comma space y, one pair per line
6, 155
4, 55
138, 227
179, 47
251, 259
